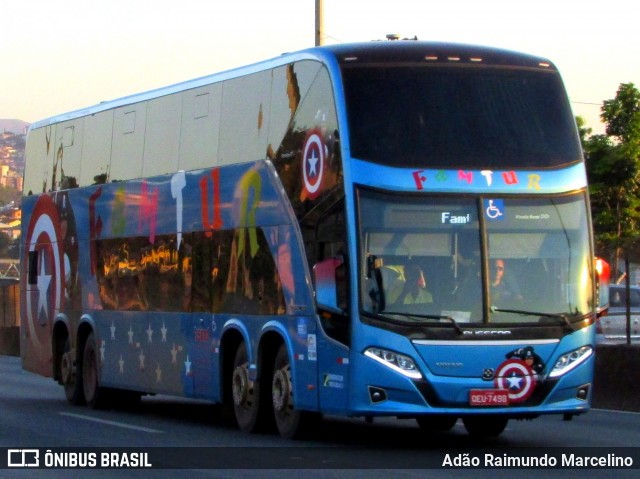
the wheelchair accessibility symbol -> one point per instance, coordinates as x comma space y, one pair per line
494, 209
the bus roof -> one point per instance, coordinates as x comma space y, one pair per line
420, 52
401, 51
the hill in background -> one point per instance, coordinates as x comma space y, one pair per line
14, 126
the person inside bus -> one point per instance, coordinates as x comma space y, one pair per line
415, 287
503, 286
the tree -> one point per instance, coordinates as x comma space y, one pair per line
583, 130
613, 167
622, 115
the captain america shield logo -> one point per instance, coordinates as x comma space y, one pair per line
44, 291
515, 376
313, 159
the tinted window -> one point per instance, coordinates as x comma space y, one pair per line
208, 273
426, 116
438, 256
135, 275
308, 159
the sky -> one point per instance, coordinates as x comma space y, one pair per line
62, 55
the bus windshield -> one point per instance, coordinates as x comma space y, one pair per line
468, 116
428, 258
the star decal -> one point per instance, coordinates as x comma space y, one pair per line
174, 354
113, 330
44, 280
313, 162
130, 333
121, 364
141, 357
515, 381
516, 377
187, 365
164, 330
149, 334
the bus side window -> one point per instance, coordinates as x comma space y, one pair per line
33, 267
330, 233
330, 245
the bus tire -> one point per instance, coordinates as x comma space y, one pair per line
94, 395
291, 423
485, 426
70, 380
246, 393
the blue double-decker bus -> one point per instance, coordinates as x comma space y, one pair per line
377, 229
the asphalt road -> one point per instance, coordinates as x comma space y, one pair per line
34, 414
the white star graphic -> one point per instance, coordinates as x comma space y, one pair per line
121, 364
149, 334
130, 333
313, 161
43, 287
141, 358
113, 330
174, 354
514, 381
187, 365
164, 332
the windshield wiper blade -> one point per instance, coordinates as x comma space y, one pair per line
560, 316
455, 324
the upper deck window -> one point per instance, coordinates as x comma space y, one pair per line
460, 116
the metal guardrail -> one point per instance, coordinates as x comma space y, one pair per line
9, 292
9, 268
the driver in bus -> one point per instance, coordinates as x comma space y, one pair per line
503, 287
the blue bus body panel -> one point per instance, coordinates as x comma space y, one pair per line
172, 352
451, 372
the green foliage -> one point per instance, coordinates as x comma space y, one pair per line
583, 129
622, 114
613, 167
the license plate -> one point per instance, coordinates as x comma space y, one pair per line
489, 397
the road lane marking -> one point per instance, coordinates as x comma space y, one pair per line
615, 410
111, 423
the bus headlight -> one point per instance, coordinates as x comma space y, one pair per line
571, 360
396, 361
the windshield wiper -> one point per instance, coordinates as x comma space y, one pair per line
560, 316
455, 324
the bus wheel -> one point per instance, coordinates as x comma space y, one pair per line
485, 426
246, 393
437, 423
93, 393
69, 379
290, 422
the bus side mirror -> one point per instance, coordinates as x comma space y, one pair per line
603, 275
330, 280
